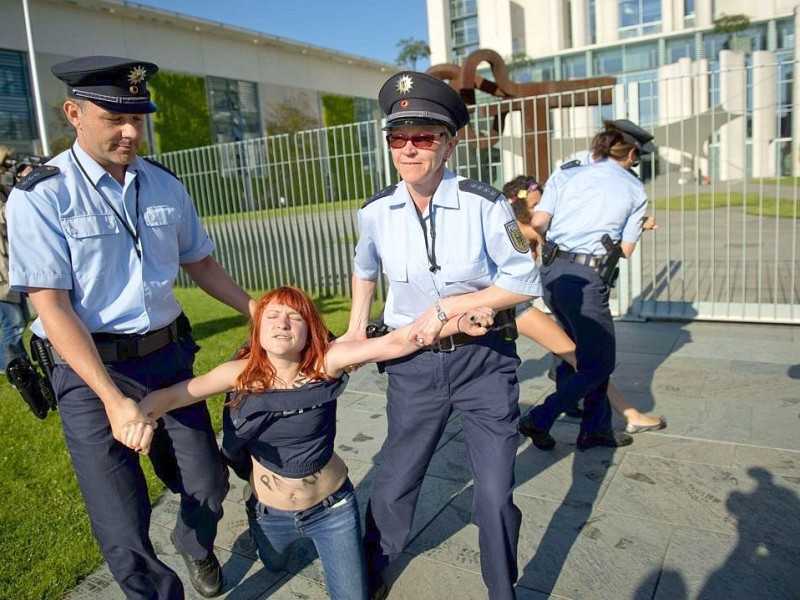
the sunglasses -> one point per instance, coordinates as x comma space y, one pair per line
422, 141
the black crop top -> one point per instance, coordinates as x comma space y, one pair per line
290, 432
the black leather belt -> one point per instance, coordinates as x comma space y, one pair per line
582, 259
451, 342
116, 347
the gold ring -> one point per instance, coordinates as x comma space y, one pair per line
420, 340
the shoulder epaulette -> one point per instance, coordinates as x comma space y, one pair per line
155, 163
37, 175
571, 164
387, 191
480, 189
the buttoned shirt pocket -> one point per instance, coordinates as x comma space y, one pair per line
472, 271
396, 271
83, 227
162, 224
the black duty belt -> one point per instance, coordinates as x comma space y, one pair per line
582, 259
451, 342
116, 347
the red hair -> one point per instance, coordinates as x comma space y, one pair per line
259, 374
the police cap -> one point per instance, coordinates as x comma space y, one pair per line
635, 135
412, 98
113, 83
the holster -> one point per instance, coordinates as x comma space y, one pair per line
549, 251
608, 268
377, 328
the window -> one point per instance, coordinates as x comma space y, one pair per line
786, 34
592, 13
464, 37
683, 47
607, 62
234, 110
574, 67
639, 57
463, 8
17, 125
540, 70
639, 17
688, 13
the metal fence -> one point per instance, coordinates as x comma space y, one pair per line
282, 209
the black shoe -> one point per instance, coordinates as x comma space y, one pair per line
541, 439
575, 413
205, 575
612, 439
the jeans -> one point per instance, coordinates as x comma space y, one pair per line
13, 319
335, 528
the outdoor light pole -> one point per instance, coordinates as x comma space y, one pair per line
37, 96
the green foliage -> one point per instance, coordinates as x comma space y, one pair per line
411, 50
753, 204
338, 110
289, 117
182, 120
45, 541
731, 23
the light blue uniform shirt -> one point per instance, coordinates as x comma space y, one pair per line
589, 200
63, 236
473, 247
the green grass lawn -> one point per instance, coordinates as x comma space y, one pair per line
45, 541
767, 207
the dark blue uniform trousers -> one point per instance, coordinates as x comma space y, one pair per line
184, 454
578, 298
480, 380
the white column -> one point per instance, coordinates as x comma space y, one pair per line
606, 21
668, 17
703, 13
764, 113
580, 24
439, 31
732, 85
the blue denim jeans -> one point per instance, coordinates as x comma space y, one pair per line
335, 528
13, 319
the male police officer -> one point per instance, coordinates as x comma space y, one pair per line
447, 245
97, 236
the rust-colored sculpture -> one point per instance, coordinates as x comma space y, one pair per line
550, 94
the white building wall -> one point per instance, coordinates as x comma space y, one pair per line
494, 26
796, 99
64, 30
439, 39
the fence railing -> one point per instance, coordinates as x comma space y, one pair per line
282, 209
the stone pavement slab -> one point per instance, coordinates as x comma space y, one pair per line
707, 508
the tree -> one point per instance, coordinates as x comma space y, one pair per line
411, 51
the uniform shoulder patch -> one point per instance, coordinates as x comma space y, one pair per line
480, 189
155, 163
387, 191
37, 175
517, 238
571, 164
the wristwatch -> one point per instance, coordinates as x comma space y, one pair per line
440, 312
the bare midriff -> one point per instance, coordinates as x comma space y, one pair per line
289, 493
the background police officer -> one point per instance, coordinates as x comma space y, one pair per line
580, 204
97, 236
447, 245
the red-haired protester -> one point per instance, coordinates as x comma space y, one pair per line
279, 427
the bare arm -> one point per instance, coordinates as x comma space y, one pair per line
541, 222
73, 341
363, 294
217, 283
429, 327
184, 393
398, 343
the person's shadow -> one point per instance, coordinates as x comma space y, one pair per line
764, 563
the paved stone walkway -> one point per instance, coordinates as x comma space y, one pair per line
707, 508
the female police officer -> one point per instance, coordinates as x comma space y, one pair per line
580, 205
447, 245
